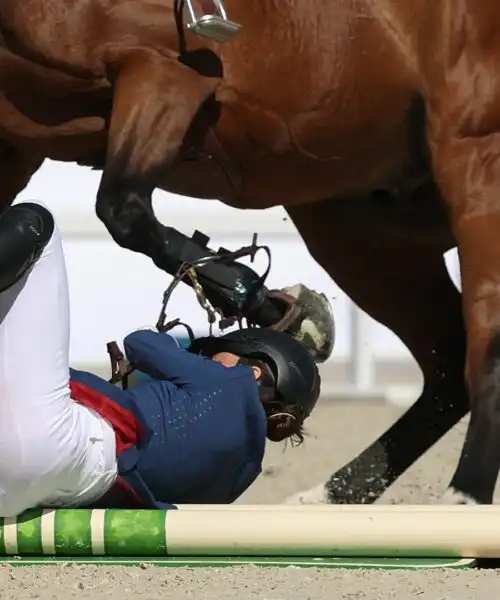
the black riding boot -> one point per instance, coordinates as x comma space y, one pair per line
25, 230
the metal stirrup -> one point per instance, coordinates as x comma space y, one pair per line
217, 27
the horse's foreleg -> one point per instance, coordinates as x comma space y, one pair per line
406, 287
156, 99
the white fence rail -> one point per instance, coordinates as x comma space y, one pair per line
114, 291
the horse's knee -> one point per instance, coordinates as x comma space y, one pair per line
126, 210
127, 213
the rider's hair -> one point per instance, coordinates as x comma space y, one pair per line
283, 421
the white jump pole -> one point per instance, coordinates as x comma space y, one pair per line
376, 531
325, 508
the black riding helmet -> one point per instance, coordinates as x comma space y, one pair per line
295, 372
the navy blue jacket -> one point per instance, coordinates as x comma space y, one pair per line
202, 426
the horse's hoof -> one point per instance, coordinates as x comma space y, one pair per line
316, 495
315, 327
453, 497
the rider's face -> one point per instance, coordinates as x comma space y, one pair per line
228, 359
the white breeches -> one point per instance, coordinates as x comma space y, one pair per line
53, 451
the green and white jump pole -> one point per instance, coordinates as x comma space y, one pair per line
256, 530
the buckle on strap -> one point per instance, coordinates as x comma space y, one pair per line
216, 26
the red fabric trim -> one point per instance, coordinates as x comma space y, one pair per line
128, 429
120, 482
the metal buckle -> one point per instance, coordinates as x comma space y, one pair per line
216, 27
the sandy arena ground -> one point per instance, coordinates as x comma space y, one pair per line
334, 437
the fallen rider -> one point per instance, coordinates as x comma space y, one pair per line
193, 433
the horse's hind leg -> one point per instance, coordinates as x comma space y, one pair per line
469, 174
406, 287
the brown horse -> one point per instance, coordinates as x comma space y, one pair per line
375, 123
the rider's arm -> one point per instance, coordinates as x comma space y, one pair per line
159, 356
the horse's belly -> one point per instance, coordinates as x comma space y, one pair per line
332, 151
315, 161
296, 179
342, 167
